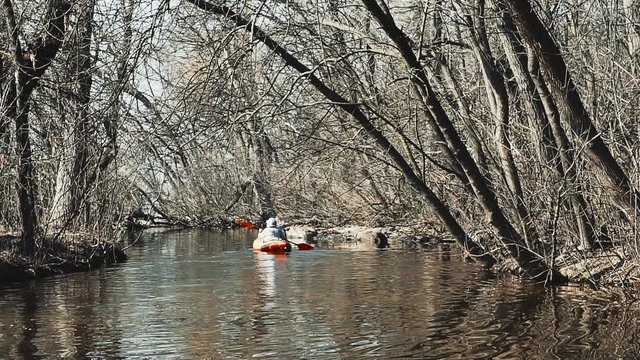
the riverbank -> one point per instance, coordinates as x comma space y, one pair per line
356, 237
54, 257
611, 267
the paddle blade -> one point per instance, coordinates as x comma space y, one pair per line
245, 224
303, 246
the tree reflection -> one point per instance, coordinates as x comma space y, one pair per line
26, 348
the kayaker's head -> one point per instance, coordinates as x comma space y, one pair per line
272, 222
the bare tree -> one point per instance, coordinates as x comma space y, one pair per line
29, 63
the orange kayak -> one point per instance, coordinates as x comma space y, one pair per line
271, 245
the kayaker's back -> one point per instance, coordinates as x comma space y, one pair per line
272, 233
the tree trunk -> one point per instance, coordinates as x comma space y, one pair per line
569, 103
542, 137
7, 89
498, 100
84, 79
61, 149
72, 146
567, 166
29, 66
443, 72
555, 148
27, 189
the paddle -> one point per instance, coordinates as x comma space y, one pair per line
300, 246
245, 224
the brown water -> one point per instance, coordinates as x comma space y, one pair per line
205, 295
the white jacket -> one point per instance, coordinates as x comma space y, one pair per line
271, 233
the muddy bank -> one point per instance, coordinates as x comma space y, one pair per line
55, 257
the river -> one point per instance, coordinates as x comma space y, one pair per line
193, 295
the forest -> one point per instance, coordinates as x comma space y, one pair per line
511, 126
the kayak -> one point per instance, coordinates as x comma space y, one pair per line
271, 245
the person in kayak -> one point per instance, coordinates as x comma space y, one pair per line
272, 230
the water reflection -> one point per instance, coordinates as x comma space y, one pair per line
206, 295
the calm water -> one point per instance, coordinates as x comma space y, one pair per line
203, 295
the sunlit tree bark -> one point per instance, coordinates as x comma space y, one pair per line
554, 146
566, 166
498, 100
72, 145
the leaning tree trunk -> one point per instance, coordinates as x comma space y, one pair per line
542, 136
567, 166
569, 102
29, 65
555, 147
498, 100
